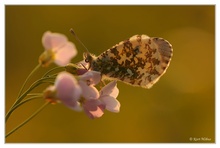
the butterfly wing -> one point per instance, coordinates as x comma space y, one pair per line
139, 60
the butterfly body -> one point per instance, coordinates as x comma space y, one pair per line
138, 61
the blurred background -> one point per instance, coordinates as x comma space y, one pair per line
180, 106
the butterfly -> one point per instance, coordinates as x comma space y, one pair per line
139, 61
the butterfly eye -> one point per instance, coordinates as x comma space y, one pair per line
87, 60
87, 57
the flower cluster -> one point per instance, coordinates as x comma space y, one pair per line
76, 87
82, 94
76, 92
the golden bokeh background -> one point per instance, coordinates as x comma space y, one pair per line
180, 106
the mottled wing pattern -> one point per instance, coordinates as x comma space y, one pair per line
139, 60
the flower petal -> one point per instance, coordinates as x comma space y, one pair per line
53, 40
65, 53
74, 105
88, 92
93, 77
93, 108
67, 88
110, 90
111, 104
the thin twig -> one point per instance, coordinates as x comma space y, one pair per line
26, 121
19, 104
29, 76
51, 71
34, 85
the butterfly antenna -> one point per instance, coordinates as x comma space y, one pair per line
74, 34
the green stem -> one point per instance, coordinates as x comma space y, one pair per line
29, 76
22, 88
34, 94
51, 71
19, 104
26, 121
19, 99
34, 85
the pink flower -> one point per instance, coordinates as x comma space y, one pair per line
57, 49
66, 90
91, 104
82, 94
108, 95
94, 106
88, 91
91, 77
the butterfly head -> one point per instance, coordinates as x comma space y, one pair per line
89, 58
